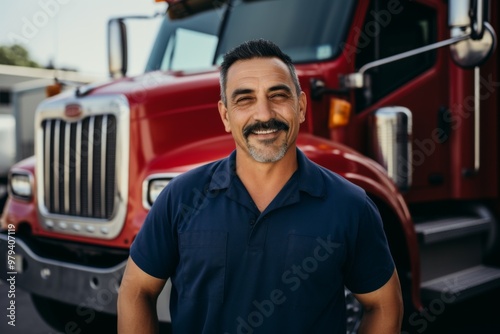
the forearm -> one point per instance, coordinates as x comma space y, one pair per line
137, 314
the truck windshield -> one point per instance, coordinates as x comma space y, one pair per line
308, 31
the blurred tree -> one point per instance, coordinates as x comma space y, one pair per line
16, 55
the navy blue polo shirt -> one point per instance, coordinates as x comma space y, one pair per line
237, 270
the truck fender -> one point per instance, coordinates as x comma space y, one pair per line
372, 177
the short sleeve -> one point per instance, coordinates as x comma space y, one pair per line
370, 264
154, 249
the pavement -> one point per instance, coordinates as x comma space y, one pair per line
27, 320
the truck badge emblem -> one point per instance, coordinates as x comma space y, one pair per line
73, 110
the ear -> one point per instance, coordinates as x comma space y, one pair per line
224, 116
302, 107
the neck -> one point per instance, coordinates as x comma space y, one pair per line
247, 167
264, 181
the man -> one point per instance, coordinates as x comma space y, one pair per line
277, 237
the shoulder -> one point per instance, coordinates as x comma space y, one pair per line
349, 201
338, 188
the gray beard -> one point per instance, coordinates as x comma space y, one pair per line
260, 156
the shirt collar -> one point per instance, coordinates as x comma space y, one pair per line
310, 176
224, 173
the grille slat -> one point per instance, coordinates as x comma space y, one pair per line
78, 167
96, 163
110, 164
84, 165
90, 157
72, 170
104, 135
66, 176
56, 164
46, 160
80, 163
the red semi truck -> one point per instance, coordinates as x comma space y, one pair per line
403, 101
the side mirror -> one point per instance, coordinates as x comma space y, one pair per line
468, 17
472, 42
117, 48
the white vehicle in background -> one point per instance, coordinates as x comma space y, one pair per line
7, 152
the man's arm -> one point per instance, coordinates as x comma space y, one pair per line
383, 308
137, 301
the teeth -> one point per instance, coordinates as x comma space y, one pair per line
264, 132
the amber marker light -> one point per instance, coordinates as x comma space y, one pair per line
340, 111
53, 89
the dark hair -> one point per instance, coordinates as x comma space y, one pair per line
258, 48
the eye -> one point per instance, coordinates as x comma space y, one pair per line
279, 96
243, 99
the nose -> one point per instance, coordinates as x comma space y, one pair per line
263, 110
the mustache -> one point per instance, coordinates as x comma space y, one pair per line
272, 124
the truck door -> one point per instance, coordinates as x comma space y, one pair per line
419, 83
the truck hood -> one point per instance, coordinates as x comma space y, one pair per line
157, 92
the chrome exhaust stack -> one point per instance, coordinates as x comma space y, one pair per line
391, 147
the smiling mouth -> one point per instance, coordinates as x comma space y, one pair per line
265, 132
265, 128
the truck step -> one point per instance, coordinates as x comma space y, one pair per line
442, 229
461, 285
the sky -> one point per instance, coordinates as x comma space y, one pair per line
73, 33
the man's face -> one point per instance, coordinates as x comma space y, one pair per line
263, 111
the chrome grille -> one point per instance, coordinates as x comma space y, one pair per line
79, 162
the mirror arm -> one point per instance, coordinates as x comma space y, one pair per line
357, 80
477, 19
414, 52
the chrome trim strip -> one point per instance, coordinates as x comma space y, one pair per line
67, 135
78, 168
104, 134
56, 165
48, 131
90, 164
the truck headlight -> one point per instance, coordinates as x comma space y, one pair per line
20, 185
153, 186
